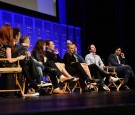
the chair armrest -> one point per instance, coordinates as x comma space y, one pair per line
110, 69
16, 69
6, 59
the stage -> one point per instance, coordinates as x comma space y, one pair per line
93, 103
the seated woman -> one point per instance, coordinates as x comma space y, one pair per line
6, 49
53, 56
39, 54
75, 68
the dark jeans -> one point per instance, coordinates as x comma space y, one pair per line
30, 72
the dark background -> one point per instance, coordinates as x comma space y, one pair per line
106, 23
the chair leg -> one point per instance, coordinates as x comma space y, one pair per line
77, 85
93, 86
18, 84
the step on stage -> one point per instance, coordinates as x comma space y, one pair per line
93, 103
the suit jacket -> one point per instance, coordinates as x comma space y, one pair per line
113, 61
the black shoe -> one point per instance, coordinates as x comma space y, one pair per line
86, 90
43, 91
88, 81
102, 90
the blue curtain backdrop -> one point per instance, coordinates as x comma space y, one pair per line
42, 29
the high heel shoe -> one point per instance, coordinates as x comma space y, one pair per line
59, 91
65, 79
75, 79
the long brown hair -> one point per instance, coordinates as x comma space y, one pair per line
6, 34
39, 46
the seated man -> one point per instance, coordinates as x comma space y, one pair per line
123, 70
96, 66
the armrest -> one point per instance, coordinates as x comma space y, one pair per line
17, 69
6, 59
110, 69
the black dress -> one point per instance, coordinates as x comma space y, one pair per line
7, 80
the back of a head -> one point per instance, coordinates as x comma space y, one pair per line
15, 32
23, 38
6, 33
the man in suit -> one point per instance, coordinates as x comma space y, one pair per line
123, 70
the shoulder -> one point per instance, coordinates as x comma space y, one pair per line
87, 55
66, 54
97, 55
6, 44
111, 55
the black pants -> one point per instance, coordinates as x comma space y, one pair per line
52, 73
127, 73
53, 65
77, 69
98, 73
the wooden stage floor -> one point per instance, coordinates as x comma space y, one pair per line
93, 103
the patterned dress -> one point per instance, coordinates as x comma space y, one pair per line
3, 47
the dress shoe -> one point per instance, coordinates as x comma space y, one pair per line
59, 91
43, 91
65, 79
113, 79
106, 88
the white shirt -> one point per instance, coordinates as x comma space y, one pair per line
94, 58
118, 59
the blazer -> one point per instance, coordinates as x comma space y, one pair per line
113, 61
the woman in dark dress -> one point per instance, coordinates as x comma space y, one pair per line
6, 50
